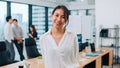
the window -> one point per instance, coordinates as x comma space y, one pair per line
91, 12
20, 12
74, 12
49, 17
3, 14
38, 19
82, 12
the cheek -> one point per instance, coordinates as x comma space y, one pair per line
63, 21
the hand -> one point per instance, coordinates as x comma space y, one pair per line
30, 35
19, 41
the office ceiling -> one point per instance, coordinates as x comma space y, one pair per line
89, 2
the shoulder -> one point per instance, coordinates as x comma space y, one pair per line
44, 35
43, 38
71, 34
6, 25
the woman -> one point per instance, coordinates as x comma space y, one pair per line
59, 47
30, 43
33, 33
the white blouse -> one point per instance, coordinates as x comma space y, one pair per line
63, 55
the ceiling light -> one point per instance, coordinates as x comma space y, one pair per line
82, 0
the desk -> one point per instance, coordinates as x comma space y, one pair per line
29, 63
91, 62
105, 58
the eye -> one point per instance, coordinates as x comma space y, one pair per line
56, 15
63, 16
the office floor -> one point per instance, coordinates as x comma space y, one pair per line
114, 66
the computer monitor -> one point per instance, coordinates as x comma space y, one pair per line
79, 36
104, 33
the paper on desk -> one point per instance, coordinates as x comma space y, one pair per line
83, 59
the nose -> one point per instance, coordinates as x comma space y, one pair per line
59, 18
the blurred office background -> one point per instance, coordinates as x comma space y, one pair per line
87, 18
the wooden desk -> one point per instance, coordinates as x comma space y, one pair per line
31, 63
105, 58
91, 62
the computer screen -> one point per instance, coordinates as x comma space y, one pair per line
104, 33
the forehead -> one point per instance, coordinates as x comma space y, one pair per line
59, 11
14, 21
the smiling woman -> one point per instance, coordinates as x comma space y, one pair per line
59, 47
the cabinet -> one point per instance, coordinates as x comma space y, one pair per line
109, 37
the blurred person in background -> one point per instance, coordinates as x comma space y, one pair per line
8, 32
18, 38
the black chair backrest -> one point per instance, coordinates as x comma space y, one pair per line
32, 51
4, 54
82, 47
31, 48
30, 42
2, 46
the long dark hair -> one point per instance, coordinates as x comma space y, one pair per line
34, 30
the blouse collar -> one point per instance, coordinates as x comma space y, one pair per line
49, 31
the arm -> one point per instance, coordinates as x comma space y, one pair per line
76, 49
35, 36
41, 45
6, 33
30, 35
21, 32
14, 35
20, 40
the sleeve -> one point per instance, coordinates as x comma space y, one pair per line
76, 51
6, 33
21, 32
35, 35
41, 45
13, 32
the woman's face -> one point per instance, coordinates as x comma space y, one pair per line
58, 18
31, 29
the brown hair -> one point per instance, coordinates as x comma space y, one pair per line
32, 26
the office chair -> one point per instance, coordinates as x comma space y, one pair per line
4, 54
31, 48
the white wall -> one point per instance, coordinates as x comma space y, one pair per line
81, 5
77, 6
81, 25
107, 14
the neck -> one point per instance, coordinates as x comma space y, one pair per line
57, 31
9, 22
16, 25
